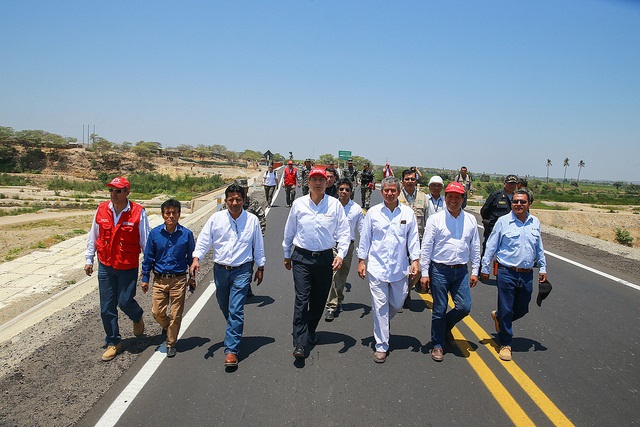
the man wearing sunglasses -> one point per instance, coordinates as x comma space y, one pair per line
516, 243
118, 235
354, 214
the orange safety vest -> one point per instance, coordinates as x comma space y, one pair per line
290, 176
118, 246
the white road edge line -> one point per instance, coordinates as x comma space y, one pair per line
593, 270
122, 402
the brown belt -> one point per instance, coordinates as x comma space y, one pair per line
517, 269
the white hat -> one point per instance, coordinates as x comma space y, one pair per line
436, 180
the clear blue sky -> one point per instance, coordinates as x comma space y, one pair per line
499, 86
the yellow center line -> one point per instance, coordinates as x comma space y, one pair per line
495, 387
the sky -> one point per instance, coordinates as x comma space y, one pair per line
499, 86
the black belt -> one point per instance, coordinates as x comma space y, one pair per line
449, 266
168, 276
517, 269
314, 253
227, 267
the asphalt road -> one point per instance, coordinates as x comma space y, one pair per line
575, 361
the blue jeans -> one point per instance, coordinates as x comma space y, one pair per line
445, 280
514, 294
117, 289
231, 291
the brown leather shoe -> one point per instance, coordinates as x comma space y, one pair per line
379, 356
111, 352
437, 354
231, 360
494, 316
505, 353
138, 328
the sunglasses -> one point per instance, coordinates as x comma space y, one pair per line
116, 190
348, 190
409, 179
519, 202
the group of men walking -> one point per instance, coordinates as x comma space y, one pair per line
410, 240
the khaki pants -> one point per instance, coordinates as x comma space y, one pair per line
169, 293
336, 294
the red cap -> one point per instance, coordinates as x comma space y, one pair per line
119, 182
318, 172
455, 187
290, 162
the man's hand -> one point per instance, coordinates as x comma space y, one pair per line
144, 286
362, 269
542, 277
258, 276
195, 267
425, 284
473, 280
484, 277
88, 268
287, 263
414, 269
337, 263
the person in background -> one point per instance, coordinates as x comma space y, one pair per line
354, 214
290, 179
388, 252
387, 171
270, 184
464, 178
236, 240
366, 186
304, 176
331, 189
168, 254
435, 201
516, 242
316, 222
351, 173
118, 234
497, 204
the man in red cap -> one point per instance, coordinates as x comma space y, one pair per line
450, 240
118, 235
290, 179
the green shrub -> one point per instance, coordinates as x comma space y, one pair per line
624, 237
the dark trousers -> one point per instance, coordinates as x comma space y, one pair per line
514, 294
290, 193
312, 276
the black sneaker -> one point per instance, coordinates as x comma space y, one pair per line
171, 351
298, 353
329, 316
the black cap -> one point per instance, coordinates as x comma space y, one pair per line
544, 289
512, 179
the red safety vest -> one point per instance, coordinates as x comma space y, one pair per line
290, 176
118, 246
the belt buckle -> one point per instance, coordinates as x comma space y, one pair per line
315, 254
228, 267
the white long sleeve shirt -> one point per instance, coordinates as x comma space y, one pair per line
316, 227
234, 242
450, 240
354, 214
387, 240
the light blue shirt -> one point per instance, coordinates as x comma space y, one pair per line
515, 244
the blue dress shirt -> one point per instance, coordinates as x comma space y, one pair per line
168, 253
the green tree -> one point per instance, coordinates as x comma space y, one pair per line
548, 166
566, 165
7, 134
325, 159
251, 155
617, 185
581, 164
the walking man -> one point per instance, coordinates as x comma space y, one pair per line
450, 240
388, 252
290, 181
497, 205
366, 186
351, 173
304, 176
354, 214
270, 184
118, 234
316, 222
464, 178
236, 240
516, 242
435, 201
168, 254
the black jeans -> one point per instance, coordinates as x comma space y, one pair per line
312, 276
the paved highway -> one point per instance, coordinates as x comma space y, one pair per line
575, 361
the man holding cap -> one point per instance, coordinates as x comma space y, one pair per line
290, 179
496, 205
516, 243
450, 240
118, 235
